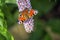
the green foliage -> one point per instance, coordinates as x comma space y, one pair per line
47, 37
55, 25
9, 14
4, 34
2, 37
42, 5
3, 29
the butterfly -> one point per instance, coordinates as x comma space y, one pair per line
26, 14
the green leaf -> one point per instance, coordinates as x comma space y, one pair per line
11, 1
2, 37
3, 29
2, 1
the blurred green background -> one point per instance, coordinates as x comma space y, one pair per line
11, 30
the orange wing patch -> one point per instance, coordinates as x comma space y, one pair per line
31, 13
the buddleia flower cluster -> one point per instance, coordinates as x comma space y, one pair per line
22, 4
29, 23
